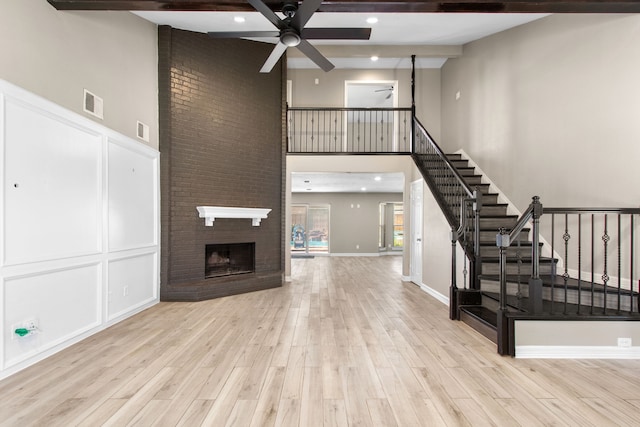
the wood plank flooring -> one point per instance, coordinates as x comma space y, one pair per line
346, 343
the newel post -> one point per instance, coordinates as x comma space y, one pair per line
413, 103
453, 289
535, 283
503, 331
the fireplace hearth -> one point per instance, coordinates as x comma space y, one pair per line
229, 259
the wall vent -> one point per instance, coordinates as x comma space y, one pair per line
93, 104
142, 131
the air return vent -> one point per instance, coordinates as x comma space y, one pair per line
93, 104
143, 131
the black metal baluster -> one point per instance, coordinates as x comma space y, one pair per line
566, 237
619, 262
605, 275
553, 270
631, 269
579, 262
593, 275
519, 273
325, 134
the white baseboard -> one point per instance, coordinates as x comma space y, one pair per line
437, 295
576, 352
357, 254
405, 278
287, 278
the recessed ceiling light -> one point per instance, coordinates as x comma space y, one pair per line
239, 19
378, 178
372, 20
363, 189
374, 58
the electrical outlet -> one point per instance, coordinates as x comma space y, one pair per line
31, 324
125, 291
624, 342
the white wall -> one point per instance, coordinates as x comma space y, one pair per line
79, 215
57, 54
551, 109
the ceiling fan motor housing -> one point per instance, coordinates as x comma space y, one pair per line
290, 37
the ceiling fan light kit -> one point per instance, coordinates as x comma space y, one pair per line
291, 32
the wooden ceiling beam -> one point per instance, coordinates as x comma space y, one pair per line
380, 6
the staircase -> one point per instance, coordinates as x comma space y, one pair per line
479, 305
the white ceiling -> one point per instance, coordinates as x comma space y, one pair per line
392, 29
346, 182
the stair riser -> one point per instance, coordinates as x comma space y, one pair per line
512, 251
449, 179
496, 223
486, 210
512, 269
559, 296
489, 236
452, 191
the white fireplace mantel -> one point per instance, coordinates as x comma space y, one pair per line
210, 213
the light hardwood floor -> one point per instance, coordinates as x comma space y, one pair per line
346, 343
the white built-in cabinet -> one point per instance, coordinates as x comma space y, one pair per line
79, 227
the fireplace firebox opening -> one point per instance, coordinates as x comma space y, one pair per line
229, 259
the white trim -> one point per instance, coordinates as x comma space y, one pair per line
287, 278
390, 253
405, 278
353, 254
210, 213
576, 352
437, 295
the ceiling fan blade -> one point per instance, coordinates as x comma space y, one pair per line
273, 59
268, 13
304, 13
314, 55
239, 34
336, 33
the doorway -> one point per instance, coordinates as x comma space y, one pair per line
372, 101
309, 229
391, 229
416, 232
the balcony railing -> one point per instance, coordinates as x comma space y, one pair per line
349, 131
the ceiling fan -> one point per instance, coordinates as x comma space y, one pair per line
390, 89
291, 32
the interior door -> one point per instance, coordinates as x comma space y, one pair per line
416, 232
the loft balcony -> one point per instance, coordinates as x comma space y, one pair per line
349, 130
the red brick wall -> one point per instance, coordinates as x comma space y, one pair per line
221, 144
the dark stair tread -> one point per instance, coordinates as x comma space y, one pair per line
527, 243
558, 281
482, 319
511, 258
482, 312
518, 306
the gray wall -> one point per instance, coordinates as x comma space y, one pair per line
58, 54
329, 92
351, 226
551, 109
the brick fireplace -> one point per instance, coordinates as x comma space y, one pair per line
221, 144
